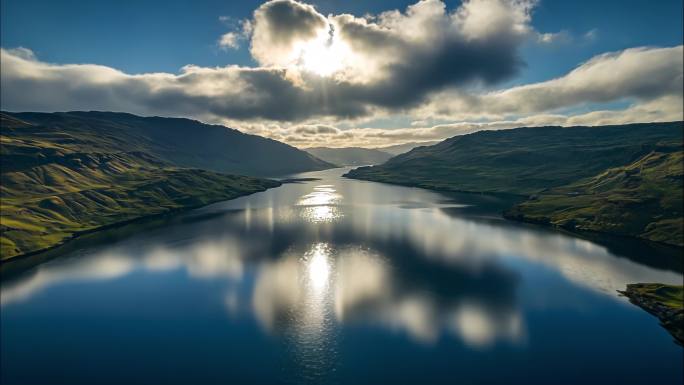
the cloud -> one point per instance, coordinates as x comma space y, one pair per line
316, 129
229, 40
425, 63
554, 37
642, 74
241, 30
391, 62
281, 27
650, 77
591, 34
665, 109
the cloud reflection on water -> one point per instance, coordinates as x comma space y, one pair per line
411, 268
300, 289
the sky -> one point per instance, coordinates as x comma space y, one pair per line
348, 73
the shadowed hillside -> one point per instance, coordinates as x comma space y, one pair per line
58, 183
524, 160
183, 142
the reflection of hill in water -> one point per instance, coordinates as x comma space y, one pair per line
416, 268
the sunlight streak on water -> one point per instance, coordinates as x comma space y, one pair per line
319, 268
320, 205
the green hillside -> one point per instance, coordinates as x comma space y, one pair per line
524, 160
624, 180
663, 301
55, 184
182, 142
643, 199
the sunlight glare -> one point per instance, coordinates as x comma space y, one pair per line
321, 60
322, 204
323, 56
319, 268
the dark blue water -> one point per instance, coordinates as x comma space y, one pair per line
337, 281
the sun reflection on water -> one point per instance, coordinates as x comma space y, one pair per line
312, 335
319, 268
320, 205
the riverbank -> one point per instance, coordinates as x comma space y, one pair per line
516, 216
135, 220
663, 301
37, 224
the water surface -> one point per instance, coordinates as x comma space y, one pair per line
338, 281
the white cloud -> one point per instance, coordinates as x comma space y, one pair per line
281, 27
642, 74
591, 34
425, 64
229, 40
241, 30
389, 64
554, 37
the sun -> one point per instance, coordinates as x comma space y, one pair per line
321, 59
324, 55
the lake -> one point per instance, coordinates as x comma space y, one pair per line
338, 281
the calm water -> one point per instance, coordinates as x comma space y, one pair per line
337, 281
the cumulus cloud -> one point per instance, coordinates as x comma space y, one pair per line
390, 61
661, 110
241, 30
281, 27
642, 74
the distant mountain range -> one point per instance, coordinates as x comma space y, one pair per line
402, 148
182, 142
350, 156
360, 156
624, 179
66, 174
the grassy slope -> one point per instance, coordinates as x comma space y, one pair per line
522, 161
624, 180
664, 301
55, 184
182, 142
643, 199
350, 156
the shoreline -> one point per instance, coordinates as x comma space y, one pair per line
570, 230
512, 218
109, 226
441, 190
652, 298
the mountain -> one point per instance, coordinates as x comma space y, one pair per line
349, 156
182, 142
642, 199
623, 179
406, 147
524, 160
57, 183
